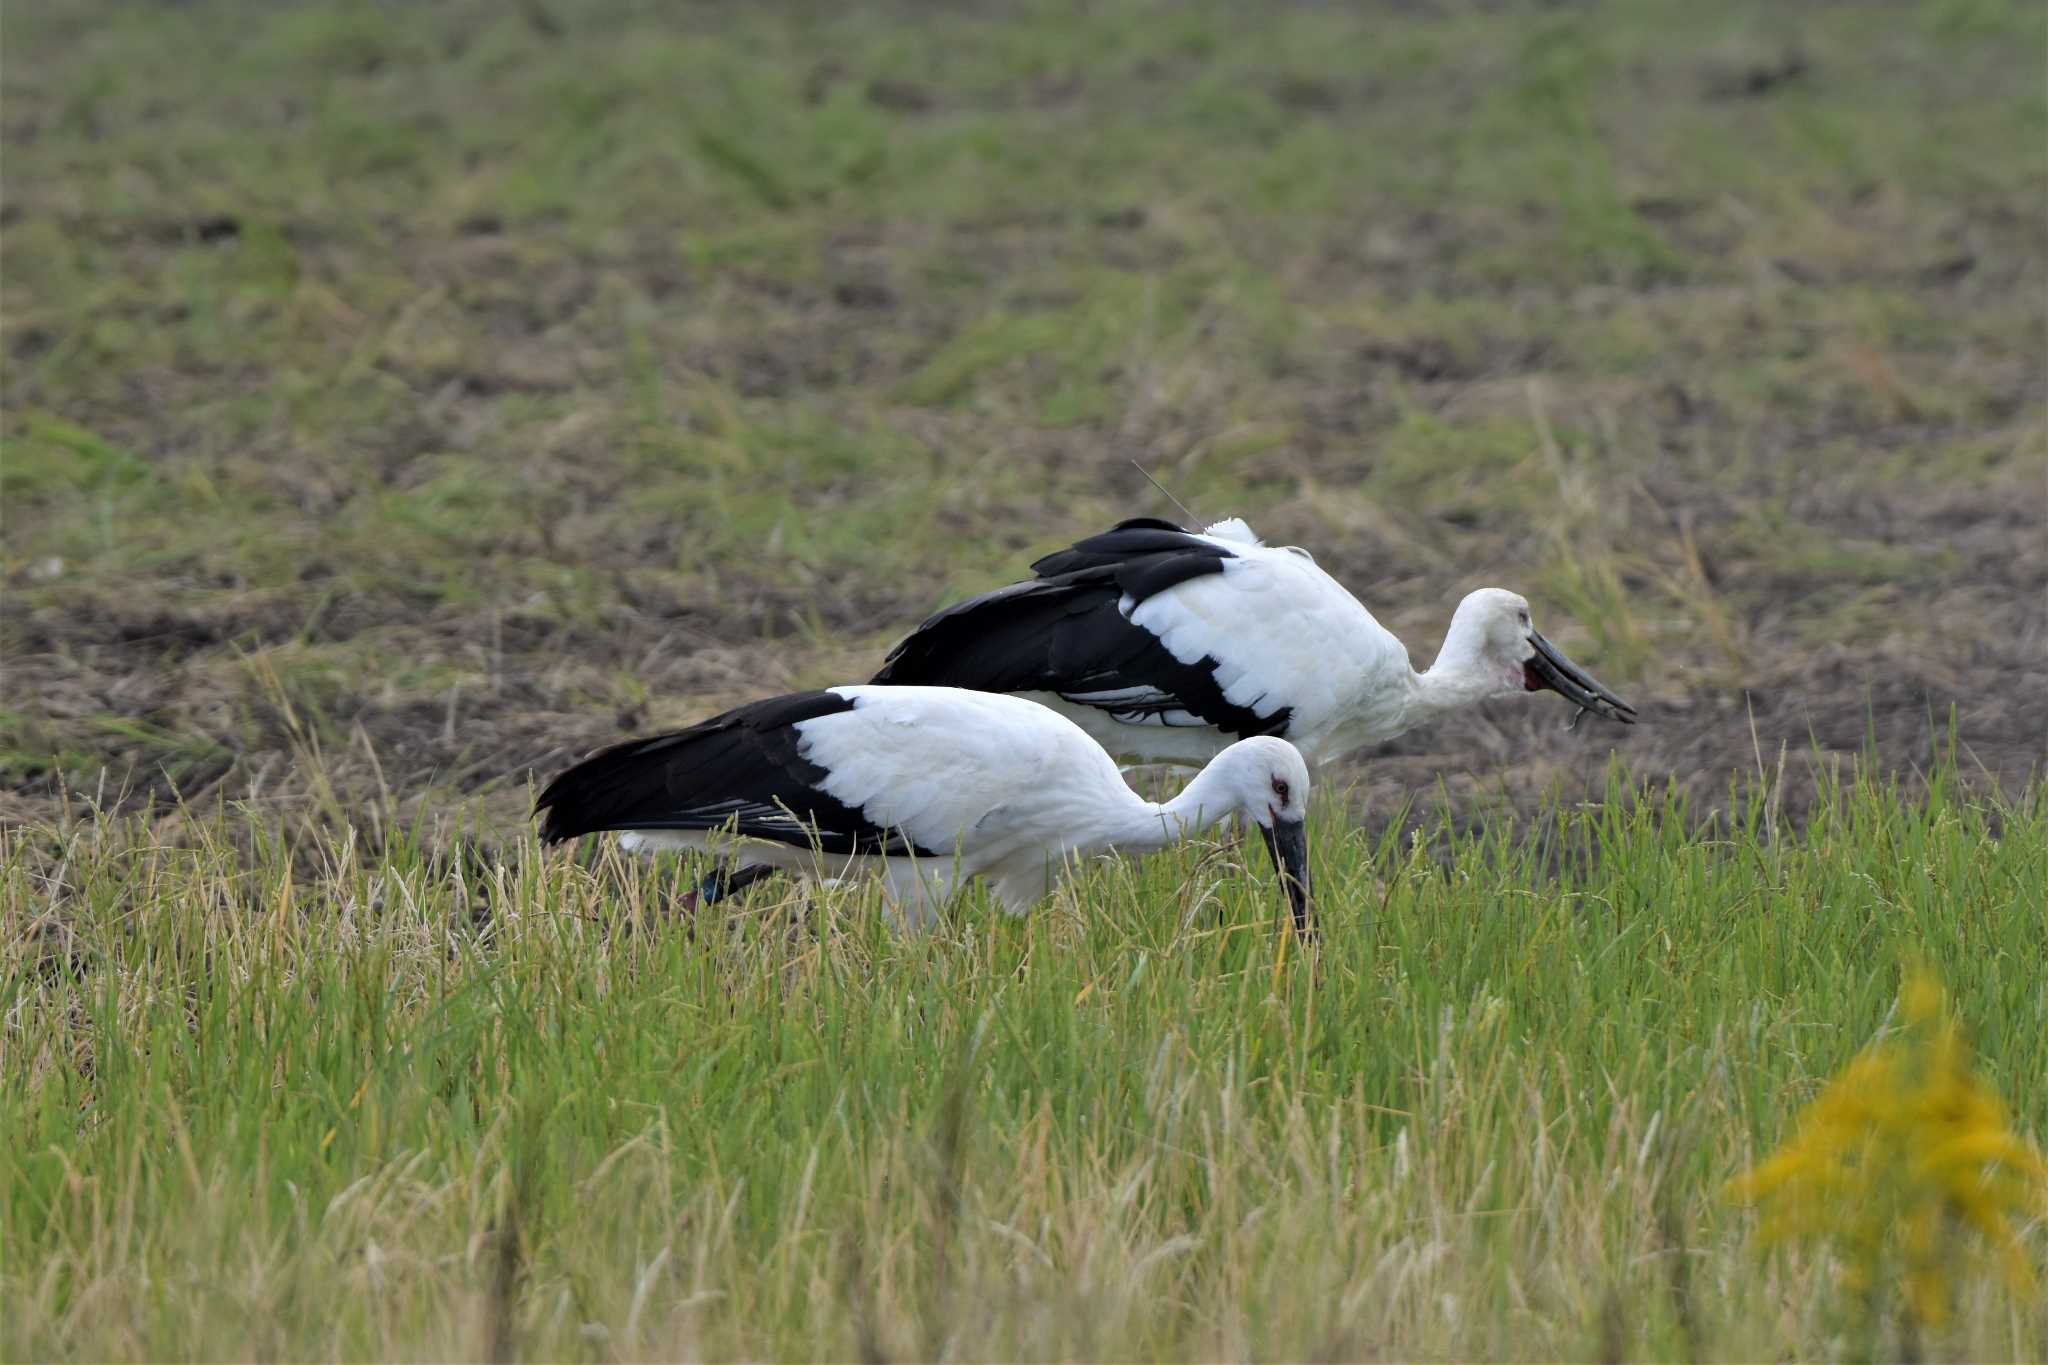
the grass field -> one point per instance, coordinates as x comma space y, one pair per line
279, 1100
401, 400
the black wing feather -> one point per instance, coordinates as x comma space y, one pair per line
1135, 539
1065, 632
741, 770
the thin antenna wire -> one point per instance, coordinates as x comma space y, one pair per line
1199, 523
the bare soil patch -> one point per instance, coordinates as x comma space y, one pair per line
420, 435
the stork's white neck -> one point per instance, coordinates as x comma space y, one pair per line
1462, 675
1448, 685
1208, 800
1457, 679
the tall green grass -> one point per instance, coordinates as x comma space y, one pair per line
264, 1093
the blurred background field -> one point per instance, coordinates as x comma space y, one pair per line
402, 399
448, 388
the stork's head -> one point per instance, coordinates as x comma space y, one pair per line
1492, 644
1269, 781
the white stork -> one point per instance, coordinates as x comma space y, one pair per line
1165, 645
928, 785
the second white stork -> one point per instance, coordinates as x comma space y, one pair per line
928, 786
1166, 645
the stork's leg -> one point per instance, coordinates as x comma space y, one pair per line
917, 889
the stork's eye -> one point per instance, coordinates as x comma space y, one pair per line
1523, 617
1280, 789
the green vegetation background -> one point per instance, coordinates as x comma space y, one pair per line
403, 399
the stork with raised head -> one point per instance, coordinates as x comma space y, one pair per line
929, 786
1165, 645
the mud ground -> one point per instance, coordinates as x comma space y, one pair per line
398, 407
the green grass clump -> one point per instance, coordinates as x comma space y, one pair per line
277, 1095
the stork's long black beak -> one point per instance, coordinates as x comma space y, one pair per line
1287, 841
1548, 667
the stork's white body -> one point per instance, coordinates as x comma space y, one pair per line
1278, 627
986, 786
1165, 645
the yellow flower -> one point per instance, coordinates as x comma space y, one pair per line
1899, 1154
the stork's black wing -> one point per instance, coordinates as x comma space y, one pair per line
1128, 543
741, 770
1066, 632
